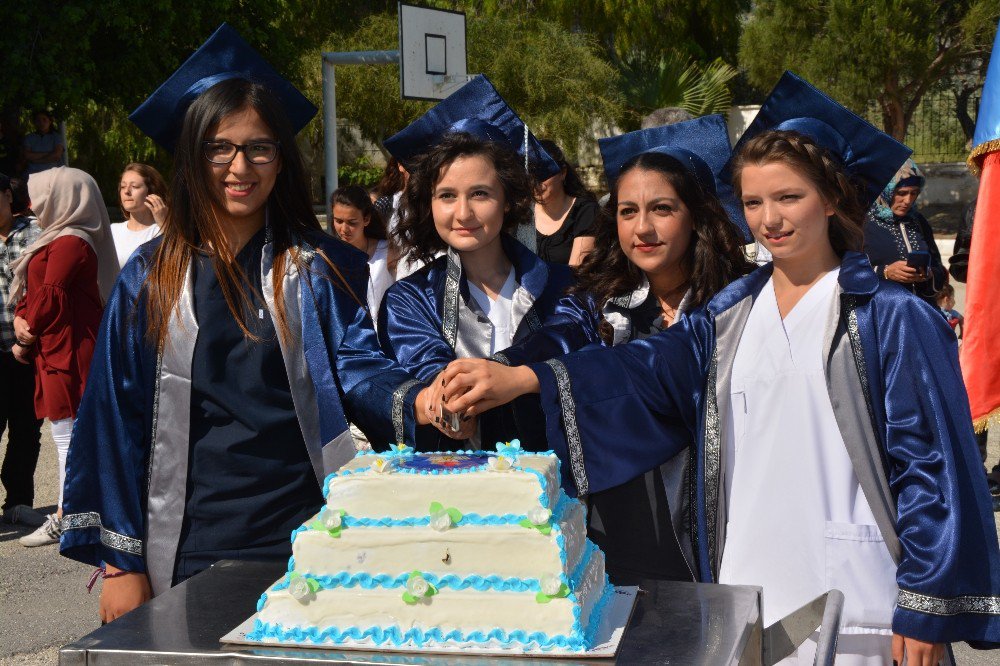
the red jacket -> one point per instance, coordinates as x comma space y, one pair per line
62, 305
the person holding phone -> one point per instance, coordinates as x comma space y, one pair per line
898, 239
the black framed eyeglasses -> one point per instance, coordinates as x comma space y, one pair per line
256, 152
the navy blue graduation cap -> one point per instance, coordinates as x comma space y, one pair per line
701, 145
478, 109
870, 155
225, 55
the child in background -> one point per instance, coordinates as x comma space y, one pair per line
946, 301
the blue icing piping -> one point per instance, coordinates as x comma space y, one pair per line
418, 637
474, 581
379, 635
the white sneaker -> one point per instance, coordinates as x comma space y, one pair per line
45, 535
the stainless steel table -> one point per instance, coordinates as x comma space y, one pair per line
673, 623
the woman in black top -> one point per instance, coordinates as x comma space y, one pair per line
565, 213
895, 228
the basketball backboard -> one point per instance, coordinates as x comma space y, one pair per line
432, 58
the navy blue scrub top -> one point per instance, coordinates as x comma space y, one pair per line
631, 522
250, 482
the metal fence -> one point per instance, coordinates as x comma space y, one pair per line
935, 133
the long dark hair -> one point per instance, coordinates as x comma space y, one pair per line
823, 170
714, 257
572, 184
192, 221
416, 232
356, 196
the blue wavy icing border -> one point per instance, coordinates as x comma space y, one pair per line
565, 505
419, 637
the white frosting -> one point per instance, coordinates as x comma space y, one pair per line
462, 551
360, 565
399, 495
465, 610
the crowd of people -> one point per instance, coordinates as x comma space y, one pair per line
206, 363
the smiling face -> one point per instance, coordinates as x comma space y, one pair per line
654, 224
240, 189
132, 191
903, 199
785, 211
349, 224
468, 204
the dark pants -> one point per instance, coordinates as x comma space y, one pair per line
17, 417
981, 438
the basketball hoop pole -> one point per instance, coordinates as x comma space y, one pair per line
330, 110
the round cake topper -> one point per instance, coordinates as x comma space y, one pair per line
443, 462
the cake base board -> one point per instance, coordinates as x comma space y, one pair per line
616, 617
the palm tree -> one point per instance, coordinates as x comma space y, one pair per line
671, 80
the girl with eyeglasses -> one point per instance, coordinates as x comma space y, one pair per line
233, 353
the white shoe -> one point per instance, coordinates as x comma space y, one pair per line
45, 535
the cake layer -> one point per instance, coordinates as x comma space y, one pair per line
507, 551
408, 485
329, 615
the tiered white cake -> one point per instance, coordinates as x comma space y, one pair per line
424, 550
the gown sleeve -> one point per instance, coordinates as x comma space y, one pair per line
572, 326
104, 499
410, 331
378, 394
949, 570
615, 413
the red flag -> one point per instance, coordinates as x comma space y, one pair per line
981, 333
981, 337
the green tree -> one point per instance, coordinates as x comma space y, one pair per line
886, 52
663, 49
556, 80
673, 82
93, 62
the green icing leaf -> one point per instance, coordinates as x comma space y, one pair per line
563, 590
544, 529
431, 590
416, 574
454, 514
542, 598
409, 598
527, 523
436, 507
292, 576
313, 584
317, 525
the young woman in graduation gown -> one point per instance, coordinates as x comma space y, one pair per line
233, 352
665, 246
464, 197
830, 450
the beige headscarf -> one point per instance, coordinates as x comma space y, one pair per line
68, 203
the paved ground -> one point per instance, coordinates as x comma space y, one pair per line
43, 598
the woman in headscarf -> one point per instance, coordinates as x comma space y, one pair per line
898, 239
62, 282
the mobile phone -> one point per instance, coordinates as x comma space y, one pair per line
454, 421
919, 259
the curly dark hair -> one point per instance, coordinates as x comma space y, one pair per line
822, 169
416, 233
714, 257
